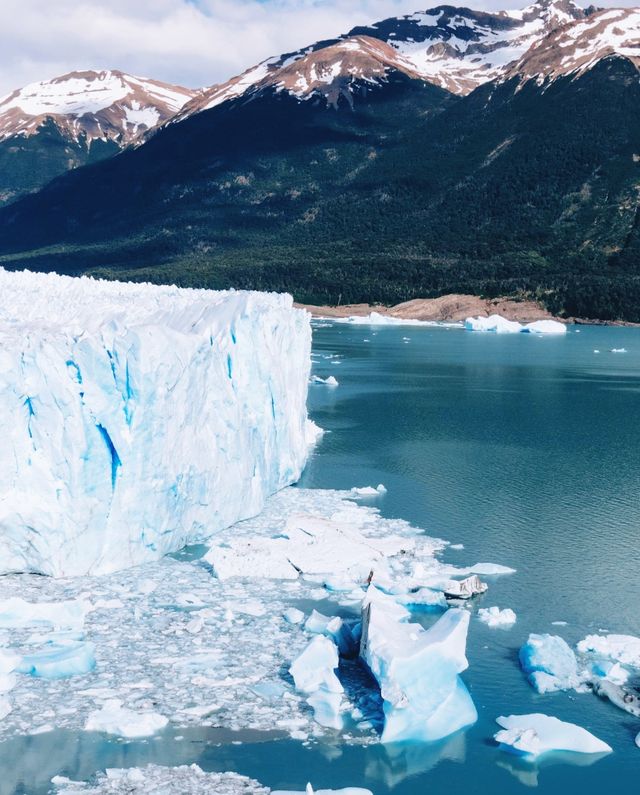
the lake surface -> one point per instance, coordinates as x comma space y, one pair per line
523, 448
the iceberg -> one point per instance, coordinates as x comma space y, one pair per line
16, 613
500, 325
417, 670
550, 663
533, 735
494, 617
137, 419
314, 675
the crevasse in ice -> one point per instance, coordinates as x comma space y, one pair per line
136, 418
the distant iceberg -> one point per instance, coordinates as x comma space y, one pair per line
500, 325
137, 419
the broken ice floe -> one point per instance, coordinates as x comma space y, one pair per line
531, 736
184, 780
166, 636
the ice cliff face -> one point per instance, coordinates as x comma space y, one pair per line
136, 419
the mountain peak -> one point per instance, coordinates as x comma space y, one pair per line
107, 104
574, 49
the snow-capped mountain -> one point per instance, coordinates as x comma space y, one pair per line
107, 105
459, 49
454, 48
574, 49
333, 71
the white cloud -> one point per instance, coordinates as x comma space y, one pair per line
193, 42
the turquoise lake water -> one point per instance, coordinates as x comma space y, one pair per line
526, 450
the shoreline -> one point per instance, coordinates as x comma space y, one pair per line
455, 308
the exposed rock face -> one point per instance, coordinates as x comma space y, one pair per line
573, 49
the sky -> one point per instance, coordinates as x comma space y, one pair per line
189, 42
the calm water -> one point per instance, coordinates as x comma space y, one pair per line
524, 449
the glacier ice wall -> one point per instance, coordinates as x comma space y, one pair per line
136, 419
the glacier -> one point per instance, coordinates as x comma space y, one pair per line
137, 419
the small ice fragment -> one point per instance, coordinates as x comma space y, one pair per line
559, 623
618, 350
313, 674
549, 663
115, 719
330, 381
465, 589
369, 491
293, 615
456, 546
495, 617
533, 735
620, 648
595, 350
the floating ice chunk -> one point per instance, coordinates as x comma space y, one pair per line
495, 617
260, 557
549, 663
293, 616
494, 323
115, 719
624, 649
417, 670
545, 327
91, 371
59, 661
330, 381
456, 547
623, 697
618, 350
15, 613
332, 627
369, 491
377, 319
614, 672
314, 675
423, 599
465, 589
487, 569
533, 735
638, 739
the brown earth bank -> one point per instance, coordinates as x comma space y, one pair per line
446, 308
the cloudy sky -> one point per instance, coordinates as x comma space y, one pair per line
192, 42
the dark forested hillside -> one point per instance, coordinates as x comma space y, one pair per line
516, 189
